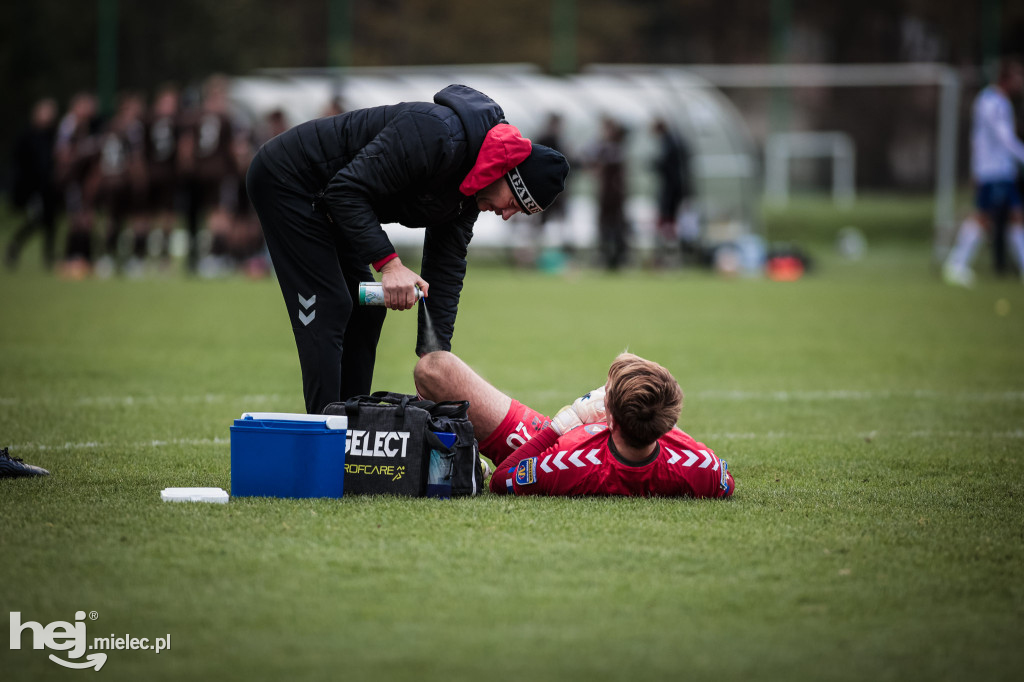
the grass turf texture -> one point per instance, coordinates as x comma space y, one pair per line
872, 417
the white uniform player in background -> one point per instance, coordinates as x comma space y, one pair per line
995, 152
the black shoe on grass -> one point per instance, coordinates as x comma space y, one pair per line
13, 467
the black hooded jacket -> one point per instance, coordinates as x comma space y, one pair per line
400, 163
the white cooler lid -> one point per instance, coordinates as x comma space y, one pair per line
331, 421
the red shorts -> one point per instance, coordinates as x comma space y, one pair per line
521, 423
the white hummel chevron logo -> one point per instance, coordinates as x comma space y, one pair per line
574, 458
691, 458
307, 303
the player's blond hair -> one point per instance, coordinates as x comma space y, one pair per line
642, 398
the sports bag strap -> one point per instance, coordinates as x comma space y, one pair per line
352, 406
456, 409
400, 400
390, 397
400, 412
396, 398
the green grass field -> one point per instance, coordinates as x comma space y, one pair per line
874, 419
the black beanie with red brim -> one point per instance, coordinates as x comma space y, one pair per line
535, 173
538, 180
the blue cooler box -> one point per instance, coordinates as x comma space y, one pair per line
279, 454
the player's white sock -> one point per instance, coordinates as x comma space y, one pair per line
967, 240
1016, 237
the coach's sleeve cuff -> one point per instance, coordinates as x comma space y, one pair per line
378, 264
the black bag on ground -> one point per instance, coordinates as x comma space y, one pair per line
392, 447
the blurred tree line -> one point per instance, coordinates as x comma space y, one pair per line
52, 47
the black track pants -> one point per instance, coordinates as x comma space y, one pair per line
319, 277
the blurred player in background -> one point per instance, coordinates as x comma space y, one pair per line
76, 153
274, 124
995, 152
556, 214
163, 184
121, 183
207, 162
620, 439
608, 160
246, 245
675, 187
335, 106
34, 190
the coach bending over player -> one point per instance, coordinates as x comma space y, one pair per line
323, 188
620, 439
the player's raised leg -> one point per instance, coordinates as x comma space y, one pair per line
444, 376
500, 423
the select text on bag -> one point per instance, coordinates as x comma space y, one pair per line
376, 443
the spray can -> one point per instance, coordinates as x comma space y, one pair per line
372, 293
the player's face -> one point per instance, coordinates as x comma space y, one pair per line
497, 197
166, 104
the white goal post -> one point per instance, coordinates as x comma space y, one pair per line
780, 148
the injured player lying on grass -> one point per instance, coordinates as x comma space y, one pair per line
619, 439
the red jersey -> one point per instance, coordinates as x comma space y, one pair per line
584, 462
